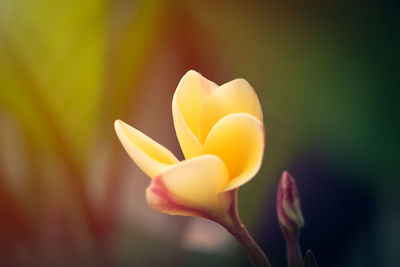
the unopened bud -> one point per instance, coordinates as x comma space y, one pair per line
288, 206
309, 259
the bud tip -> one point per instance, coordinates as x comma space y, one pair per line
309, 259
288, 204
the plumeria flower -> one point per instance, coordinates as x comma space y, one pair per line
221, 134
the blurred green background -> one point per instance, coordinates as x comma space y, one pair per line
327, 78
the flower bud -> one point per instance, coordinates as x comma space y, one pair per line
309, 259
288, 207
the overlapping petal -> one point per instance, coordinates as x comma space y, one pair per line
189, 187
222, 136
189, 97
149, 155
236, 96
238, 139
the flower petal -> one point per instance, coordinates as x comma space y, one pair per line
189, 187
150, 156
236, 96
192, 91
238, 139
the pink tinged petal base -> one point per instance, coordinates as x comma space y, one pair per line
194, 183
161, 199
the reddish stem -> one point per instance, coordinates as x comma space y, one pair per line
293, 254
234, 225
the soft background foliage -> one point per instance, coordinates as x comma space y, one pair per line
326, 76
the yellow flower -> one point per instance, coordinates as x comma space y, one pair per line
221, 134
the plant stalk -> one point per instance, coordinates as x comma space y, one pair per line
234, 225
294, 257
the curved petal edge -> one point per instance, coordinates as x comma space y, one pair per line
236, 96
188, 99
239, 140
151, 157
189, 186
